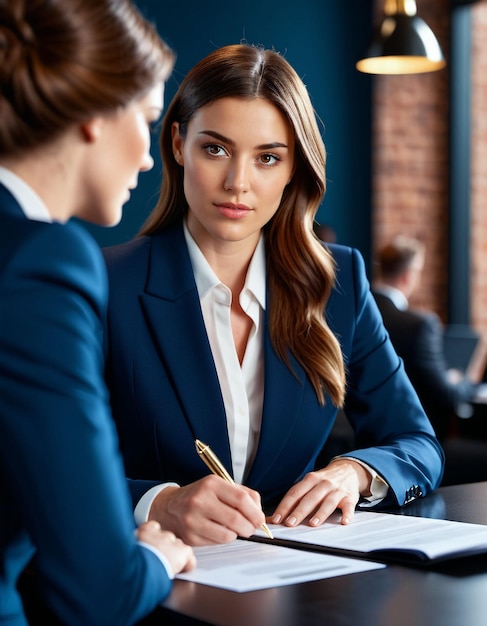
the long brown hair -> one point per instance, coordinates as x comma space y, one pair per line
301, 271
65, 61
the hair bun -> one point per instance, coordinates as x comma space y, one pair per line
13, 28
16, 40
58, 66
24, 32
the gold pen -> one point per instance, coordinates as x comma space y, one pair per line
215, 466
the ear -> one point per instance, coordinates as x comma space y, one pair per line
91, 130
177, 143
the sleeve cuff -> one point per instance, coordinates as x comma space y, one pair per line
141, 511
378, 486
162, 558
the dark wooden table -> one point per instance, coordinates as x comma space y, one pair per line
450, 594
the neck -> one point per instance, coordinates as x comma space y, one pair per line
49, 172
229, 260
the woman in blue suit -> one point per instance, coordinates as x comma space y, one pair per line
80, 83
216, 328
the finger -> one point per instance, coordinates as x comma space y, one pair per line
346, 504
286, 505
295, 498
348, 510
254, 495
245, 508
315, 506
224, 526
213, 511
208, 532
242, 520
171, 537
190, 562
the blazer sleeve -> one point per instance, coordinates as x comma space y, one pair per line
392, 433
58, 444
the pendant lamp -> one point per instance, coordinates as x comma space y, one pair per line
402, 44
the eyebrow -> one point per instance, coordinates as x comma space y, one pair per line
264, 146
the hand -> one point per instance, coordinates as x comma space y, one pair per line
179, 555
320, 493
454, 376
208, 511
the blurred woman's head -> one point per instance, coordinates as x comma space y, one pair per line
81, 81
63, 62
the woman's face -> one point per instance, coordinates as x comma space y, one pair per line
121, 149
238, 156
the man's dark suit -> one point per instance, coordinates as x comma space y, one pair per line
63, 494
418, 339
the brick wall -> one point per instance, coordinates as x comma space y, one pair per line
410, 162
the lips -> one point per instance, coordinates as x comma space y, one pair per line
233, 211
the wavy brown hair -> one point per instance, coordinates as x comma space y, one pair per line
300, 270
63, 62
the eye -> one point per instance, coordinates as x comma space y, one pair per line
268, 159
214, 149
154, 126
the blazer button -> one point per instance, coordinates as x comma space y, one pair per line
412, 493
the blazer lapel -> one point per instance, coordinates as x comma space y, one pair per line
283, 396
171, 296
172, 306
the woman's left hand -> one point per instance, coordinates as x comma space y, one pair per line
337, 486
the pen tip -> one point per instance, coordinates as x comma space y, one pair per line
200, 446
267, 531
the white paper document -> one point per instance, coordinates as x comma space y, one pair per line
247, 566
414, 538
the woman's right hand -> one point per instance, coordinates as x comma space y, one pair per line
180, 556
208, 511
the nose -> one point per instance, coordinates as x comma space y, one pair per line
147, 162
238, 177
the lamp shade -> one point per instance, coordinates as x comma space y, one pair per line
403, 44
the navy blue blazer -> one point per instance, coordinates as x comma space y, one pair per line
63, 497
418, 339
165, 392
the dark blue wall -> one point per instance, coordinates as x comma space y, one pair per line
322, 39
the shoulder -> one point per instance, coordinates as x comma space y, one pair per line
128, 265
383, 301
161, 256
76, 244
139, 250
427, 321
412, 326
54, 279
343, 255
65, 253
348, 261
126, 253
127, 261
351, 274
350, 299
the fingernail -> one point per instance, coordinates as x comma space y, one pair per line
315, 521
276, 519
345, 520
291, 521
